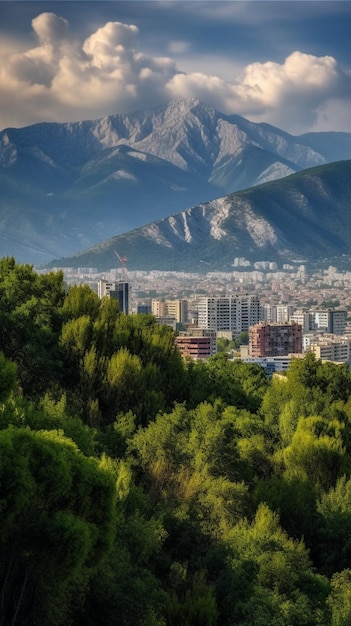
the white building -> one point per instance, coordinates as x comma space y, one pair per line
279, 313
303, 318
234, 313
270, 364
329, 347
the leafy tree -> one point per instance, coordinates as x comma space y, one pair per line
317, 454
334, 528
8, 377
294, 499
30, 323
57, 511
242, 339
122, 383
282, 574
339, 600
80, 301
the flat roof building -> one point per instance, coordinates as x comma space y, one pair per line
197, 343
273, 339
234, 313
118, 291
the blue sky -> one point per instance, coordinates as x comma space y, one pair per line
287, 63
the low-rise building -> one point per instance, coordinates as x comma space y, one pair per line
330, 347
197, 343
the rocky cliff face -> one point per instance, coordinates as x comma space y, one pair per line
306, 216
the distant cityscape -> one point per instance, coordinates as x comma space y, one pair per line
285, 312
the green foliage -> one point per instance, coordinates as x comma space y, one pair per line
146, 491
236, 383
57, 511
318, 457
8, 377
340, 598
334, 529
30, 323
80, 301
282, 572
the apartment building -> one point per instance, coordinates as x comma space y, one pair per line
233, 313
118, 290
178, 309
197, 343
274, 339
331, 321
329, 347
277, 313
303, 318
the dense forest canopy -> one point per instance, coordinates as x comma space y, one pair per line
140, 489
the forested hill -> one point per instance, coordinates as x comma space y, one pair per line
137, 489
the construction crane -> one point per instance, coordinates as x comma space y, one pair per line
123, 261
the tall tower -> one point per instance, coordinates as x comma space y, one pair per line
121, 288
121, 294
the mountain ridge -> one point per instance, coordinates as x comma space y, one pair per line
305, 215
66, 187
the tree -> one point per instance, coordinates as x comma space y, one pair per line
339, 600
80, 301
30, 322
317, 452
58, 513
122, 389
334, 528
8, 377
285, 590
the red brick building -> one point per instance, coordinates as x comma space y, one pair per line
197, 343
274, 339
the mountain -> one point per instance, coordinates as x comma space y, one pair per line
303, 216
65, 187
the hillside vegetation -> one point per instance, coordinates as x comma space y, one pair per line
137, 489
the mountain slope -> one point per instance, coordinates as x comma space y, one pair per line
305, 215
65, 187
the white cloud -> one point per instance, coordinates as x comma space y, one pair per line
50, 28
291, 94
62, 79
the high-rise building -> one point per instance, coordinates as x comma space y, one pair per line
330, 321
118, 290
104, 288
121, 293
338, 322
144, 308
304, 318
277, 312
275, 339
235, 313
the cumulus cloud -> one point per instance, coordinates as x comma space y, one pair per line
292, 94
63, 79
49, 28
